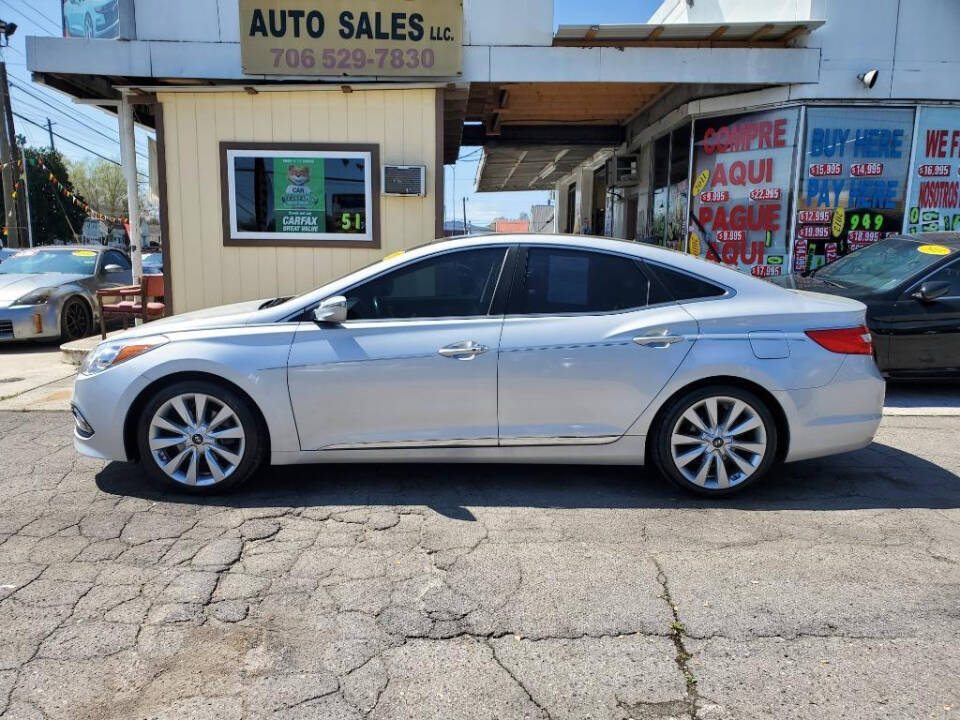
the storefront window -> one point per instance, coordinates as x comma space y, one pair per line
854, 181
300, 195
661, 180
934, 202
742, 176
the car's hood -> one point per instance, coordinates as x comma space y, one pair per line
224, 316
812, 283
15, 285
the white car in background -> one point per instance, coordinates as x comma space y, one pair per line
526, 348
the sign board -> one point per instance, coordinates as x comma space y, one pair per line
740, 201
853, 181
90, 19
342, 38
934, 202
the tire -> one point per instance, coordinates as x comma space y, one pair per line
76, 320
207, 456
711, 461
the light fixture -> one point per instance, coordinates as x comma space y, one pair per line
869, 78
7, 29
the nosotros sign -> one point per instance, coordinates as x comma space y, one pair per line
415, 38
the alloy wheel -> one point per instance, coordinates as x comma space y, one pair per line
76, 320
718, 442
196, 439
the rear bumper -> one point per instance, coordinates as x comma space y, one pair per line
839, 417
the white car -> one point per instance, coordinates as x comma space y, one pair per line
522, 349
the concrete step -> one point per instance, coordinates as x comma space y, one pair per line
73, 353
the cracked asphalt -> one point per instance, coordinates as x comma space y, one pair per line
443, 591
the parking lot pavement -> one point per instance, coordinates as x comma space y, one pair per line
481, 591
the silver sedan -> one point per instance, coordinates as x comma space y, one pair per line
527, 349
50, 292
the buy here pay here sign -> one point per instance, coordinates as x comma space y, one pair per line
414, 38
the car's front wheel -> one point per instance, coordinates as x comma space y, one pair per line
715, 440
76, 320
199, 437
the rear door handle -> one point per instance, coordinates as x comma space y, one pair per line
466, 350
658, 341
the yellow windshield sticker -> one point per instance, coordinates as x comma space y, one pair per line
84, 253
933, 250
393, 255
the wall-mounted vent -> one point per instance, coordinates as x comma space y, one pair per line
405, 180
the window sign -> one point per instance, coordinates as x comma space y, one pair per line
934, 202
742, 177
853, 182
294, 195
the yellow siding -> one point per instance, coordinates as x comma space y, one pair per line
204, 272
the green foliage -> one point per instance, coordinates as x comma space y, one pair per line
53, 216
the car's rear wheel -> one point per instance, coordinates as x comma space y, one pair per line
76, 320
716, 440
199, 437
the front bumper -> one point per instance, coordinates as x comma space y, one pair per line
103, 401
29, 322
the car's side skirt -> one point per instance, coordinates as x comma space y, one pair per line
627, 450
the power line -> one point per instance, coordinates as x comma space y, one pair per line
38, 13
72, 142
70, 118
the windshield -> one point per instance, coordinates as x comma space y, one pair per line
883, 265
153, 261
33, 262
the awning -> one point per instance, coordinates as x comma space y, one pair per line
760, 33
532, 167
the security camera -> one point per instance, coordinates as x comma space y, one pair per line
869, 78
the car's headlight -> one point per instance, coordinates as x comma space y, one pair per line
40, 296
109, 354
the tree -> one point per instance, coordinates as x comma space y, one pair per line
102, 184
52, 216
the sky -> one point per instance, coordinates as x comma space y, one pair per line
95, 132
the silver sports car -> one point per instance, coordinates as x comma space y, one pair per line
509, 348
50, 292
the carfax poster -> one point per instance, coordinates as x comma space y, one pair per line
853, 183
934, 202
740, 199
299, 188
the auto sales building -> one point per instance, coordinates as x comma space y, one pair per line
300, 139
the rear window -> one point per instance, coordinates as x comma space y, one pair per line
685, 287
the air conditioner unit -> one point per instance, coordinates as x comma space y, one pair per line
404, 180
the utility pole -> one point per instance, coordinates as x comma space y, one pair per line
53, 145
465, 230
11, 216
26, 196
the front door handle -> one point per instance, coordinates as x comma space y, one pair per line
466, 350
659, 341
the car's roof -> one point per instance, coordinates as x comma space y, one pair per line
66, 248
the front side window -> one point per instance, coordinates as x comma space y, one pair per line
558, 281
300, 195
456, 284
112, 257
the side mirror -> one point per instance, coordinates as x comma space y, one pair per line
931, 291
110, 269
331, 311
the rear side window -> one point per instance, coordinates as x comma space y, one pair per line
685, 287
557, 280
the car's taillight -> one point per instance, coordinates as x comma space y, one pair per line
848, 341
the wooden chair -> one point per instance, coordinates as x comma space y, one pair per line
143, 305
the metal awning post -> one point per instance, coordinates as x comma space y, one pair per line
128, 157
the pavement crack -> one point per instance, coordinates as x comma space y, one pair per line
544, 713
677, 632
